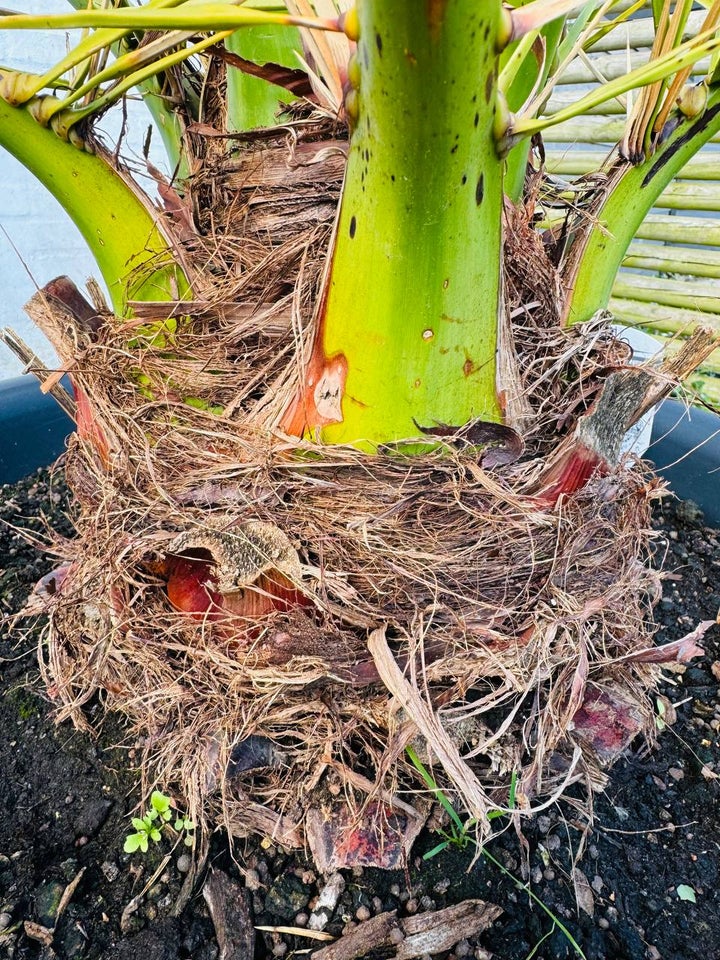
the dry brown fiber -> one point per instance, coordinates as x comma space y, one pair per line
499, 612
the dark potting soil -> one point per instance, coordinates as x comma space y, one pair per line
646, 886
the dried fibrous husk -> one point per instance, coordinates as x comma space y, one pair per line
443, 603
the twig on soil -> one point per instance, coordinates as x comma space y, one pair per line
68, 893
426, 933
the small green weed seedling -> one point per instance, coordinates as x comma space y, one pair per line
459, 836
149, 827
459, 833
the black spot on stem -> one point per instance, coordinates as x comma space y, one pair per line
480, 190
353, 226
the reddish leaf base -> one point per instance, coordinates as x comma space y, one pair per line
319, 401
192, 589
569, 473
338, 841
607, 722
87, 426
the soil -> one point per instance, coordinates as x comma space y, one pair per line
646, 885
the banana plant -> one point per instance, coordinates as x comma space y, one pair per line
387, 357
420, 126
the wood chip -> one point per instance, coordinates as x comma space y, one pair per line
229, 906
583, 892
35, 931
326, 902
437, 931
371, 935
425, 933
338, 840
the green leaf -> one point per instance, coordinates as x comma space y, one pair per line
659, 721
144, 843
435, 790
513, 789
686, 892
133, 842
155, 834
251, 101
159, 801
574, 29
189, 840
435, 850
139, 824
180, 824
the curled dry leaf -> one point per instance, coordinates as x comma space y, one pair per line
680, 651
583, 892
501, 445
45, 589
253, 753
245, 572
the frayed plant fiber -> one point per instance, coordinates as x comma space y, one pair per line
499, 614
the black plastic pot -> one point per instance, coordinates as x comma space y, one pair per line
33, 428
685, 444
685, 449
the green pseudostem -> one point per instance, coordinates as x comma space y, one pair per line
123, 236
599, 251
412, 300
